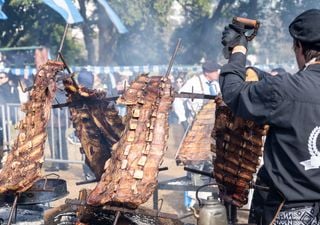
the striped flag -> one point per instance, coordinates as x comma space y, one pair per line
66, 9
113, 17
3, 16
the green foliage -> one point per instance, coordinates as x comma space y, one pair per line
32, 23
152, 36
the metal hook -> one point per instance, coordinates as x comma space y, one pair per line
160, 207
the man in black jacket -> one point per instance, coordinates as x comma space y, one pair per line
290, 104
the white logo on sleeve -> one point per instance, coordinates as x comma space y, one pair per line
314, 161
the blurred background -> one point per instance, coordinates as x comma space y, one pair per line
152, 30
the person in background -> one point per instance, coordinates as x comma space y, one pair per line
179, 81
205, 83
290, 105
8, 94
8, 88
177, 85
57, 128
122, 82
99, 82
186, 109
85, 79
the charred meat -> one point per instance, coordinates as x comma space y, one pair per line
23, 165
130, 175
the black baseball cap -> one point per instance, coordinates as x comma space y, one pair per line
306, 28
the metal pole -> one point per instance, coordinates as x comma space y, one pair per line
4, 129
59, 135
117, 218
173, 57
63, 39
13, 209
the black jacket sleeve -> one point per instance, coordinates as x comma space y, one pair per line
256, 101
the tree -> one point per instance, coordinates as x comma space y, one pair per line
144, 43
32, 23
205, 20
151, 38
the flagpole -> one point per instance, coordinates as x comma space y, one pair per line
62, 40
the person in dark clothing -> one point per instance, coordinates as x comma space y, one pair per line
86, 78
290, 104
8, 94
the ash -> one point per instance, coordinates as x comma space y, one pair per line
24, 216
142, 219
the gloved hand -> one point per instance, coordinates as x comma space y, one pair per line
232, 36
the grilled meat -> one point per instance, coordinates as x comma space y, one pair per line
96, 122
130, 175
23, 165
196, 145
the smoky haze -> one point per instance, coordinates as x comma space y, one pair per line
272, 45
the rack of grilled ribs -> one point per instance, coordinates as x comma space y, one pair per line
130, 175
23, 165
239, 146
196, 145
96, 121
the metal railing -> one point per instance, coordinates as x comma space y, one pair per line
10, 115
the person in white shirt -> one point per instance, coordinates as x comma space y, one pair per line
205, 83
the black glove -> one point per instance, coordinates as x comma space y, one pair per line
232, 36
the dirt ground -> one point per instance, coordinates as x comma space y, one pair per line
173, 201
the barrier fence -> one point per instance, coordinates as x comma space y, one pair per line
56, 146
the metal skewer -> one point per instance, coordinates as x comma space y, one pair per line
117, 218
13, 209
173, 57
62, 40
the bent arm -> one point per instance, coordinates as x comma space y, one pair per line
251, 100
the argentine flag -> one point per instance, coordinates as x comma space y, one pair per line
66, 9
113, 17
2, 15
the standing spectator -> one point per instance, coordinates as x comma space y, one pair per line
99, 83
177, 85
179, 82
205, 83
86, 79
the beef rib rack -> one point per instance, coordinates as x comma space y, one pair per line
239, 146
96, 123
130, 175
196, 145
23, 165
